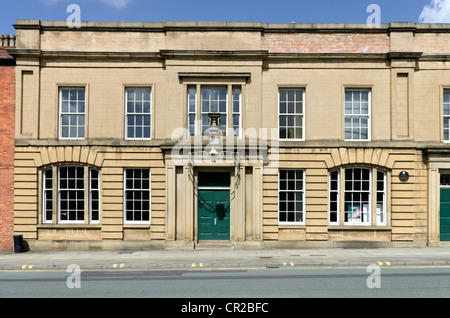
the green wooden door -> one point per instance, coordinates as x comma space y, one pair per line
445, 215
213, 214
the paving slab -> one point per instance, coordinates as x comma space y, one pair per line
226, 258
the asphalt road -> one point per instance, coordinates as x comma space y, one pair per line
192, 284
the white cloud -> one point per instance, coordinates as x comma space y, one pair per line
438, 11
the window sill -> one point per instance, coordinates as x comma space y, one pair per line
69, 225
359, 228
291, 226
136, 226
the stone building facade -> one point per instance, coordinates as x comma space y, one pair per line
179, 135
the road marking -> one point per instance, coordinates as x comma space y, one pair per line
382, 263
27, 266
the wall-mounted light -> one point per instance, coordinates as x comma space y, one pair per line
403, 176
214, 134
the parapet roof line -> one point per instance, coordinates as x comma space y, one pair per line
232, 26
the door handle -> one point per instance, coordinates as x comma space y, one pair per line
215, 221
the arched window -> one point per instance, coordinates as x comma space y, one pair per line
71, 194
357, 196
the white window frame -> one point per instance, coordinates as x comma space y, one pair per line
192, 98
446, 117
338, 197
125, 189
68, 113
143, 114
287, 114
68, 221
303, 197
236, 113
45, 192
368, 116
227, 105
198, 126
373, 215
91, 199
383, 212
56, 196
368, 212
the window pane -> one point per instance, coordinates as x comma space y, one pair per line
357, 195
146, 109
205, 107
290, 196
80, 107
446, 113
214, 100
94, 195
71, 193
356, 107
357, 114
445, 179
236, 106
381, 197
235, 121
48, 196
138, 112
365, 108
283, 95
298, 133
291, 102
64, 106
72, 102
137, 195
146, 132
138, 107
290, 107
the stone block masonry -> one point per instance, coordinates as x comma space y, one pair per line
326, 43
7, 102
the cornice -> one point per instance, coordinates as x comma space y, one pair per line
245, 54
233, 26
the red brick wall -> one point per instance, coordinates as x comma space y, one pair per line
7, 103
325, 42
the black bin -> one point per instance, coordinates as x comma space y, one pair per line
18, 243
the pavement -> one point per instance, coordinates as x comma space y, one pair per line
226, 258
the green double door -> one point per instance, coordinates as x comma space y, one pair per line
445, 215
214, 206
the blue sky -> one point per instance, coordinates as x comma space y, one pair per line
279, 11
